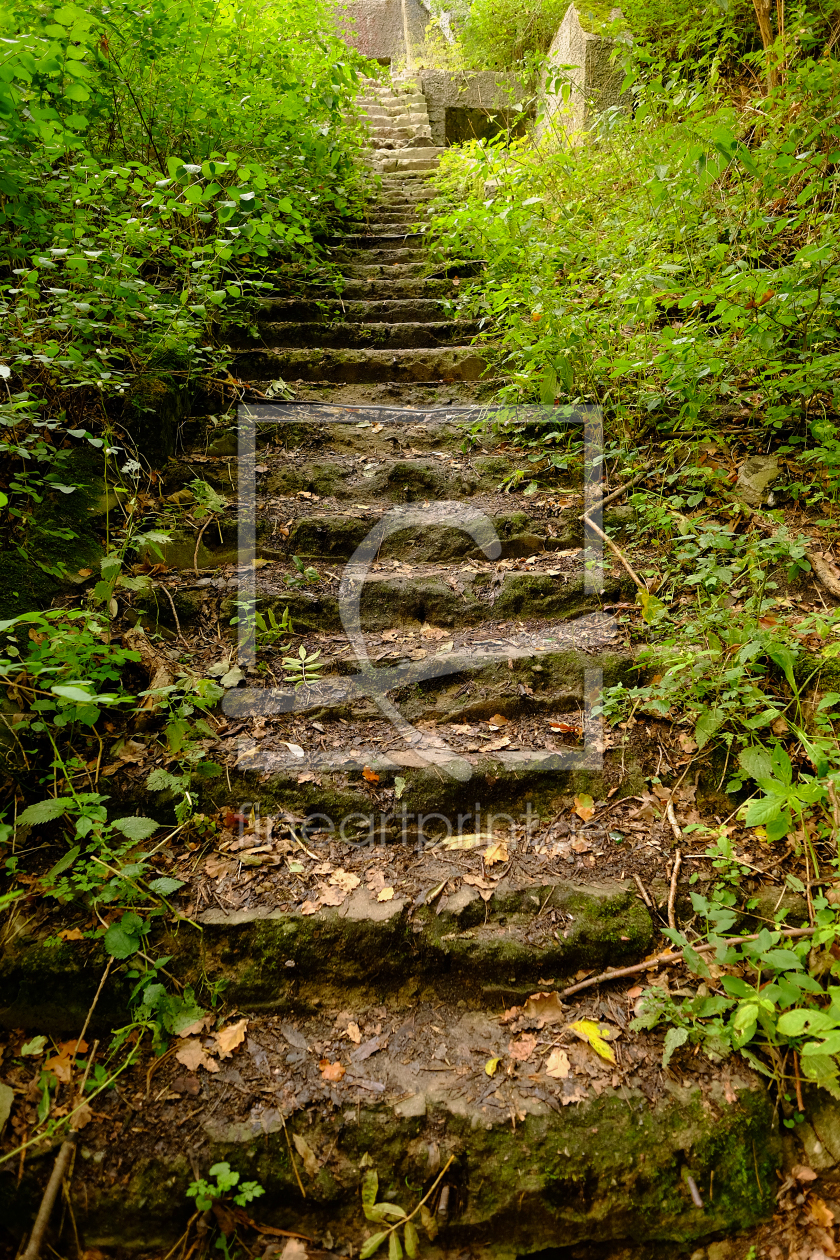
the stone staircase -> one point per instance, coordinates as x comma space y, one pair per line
399, 124
408, 860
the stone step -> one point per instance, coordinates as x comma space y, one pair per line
453, 363
386, 251
400, 134
390, 310
379, 336
388, 228
419, 160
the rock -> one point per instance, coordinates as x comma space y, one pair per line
755, 477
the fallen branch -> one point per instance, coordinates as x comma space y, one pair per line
668, 957
672, 892
822, 569
644, 892
42, 1220
616, 494
619, 554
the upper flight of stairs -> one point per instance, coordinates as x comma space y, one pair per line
399, 124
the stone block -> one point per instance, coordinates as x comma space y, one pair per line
376, 27
464, 106
591, 80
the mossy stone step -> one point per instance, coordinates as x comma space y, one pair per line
348, 335
392, 310
455, 363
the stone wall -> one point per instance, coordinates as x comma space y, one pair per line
375, 27
592, 80
468, 105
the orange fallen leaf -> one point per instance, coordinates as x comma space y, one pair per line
345, 880
584, 807
370, 775
333, 896
71, 934
331, 1071
82, 1117
820, 1211
227, 1039
497, 720
310, 907
84, 572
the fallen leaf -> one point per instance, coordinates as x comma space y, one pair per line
345, 880
34, 1047
307, 1154
820, 1211
294, 749
216, 866
557, 1065
84, 572
227, 1039
497, 720
60, 1065
331, 1071
370, 775
375, 881
584, 807
497, 852
193, 1056
354, 1033
468, 841
545, 1007
478, 881
399, 787
294, 1249
72, 934
593, 1034
200, 1026
801, 1172
522, 1049
333, 896
386, 894
491, 1065
186, 1085
309, 776
84, 1115
310, 907
232, 678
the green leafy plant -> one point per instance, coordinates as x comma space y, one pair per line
304, 669
226, 1184
384, 1211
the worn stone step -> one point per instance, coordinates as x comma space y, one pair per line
392, 310
379, 336
397, 130
420, 160
454, 363
380, 251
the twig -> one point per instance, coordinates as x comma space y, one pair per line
619, 554
291, 1156
404, 1219
822, 570
168, 595
93, 1005
645, 894
616, 494
672, 893
42, 1220
835, 812
660, 960
672, 819
800, 1104
198, 544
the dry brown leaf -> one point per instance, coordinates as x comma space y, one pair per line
193, 1056
294, 1249
354, 1033
820, 1211
386, 894
801, 1172
331, 1071
546, 1007
200, 1026
584, 806
375, 881
497, 720
497, 852
478, 881
61, 1066
345, 880
72, 934
216, 866
522, 1049
333, 896
557, 1065
310, 907
370, 775
82, 1117
307, 1154
227, 1039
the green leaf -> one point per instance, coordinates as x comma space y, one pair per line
73, 693
795, 1023
763, 810
372, 1244
119, 943
63, 863
829, 1045
136, 828
412, 1240
709, 722
370, 1189
394, 1247
756, 762
166, 885
76, 92
45, 811
674, 1038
